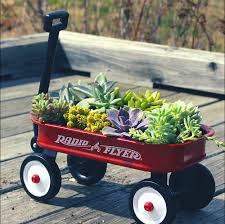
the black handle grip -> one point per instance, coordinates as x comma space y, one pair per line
56, 21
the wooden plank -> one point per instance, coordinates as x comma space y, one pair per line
31, 52
214, 113
16, 146
69, 195
117, 212
145, 62
15, 89
15, 125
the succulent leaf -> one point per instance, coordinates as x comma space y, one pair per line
172, 123
122, 120
145, 101
48, 109
101, 90
78, 117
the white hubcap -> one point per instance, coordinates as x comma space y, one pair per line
145, 195
36, 170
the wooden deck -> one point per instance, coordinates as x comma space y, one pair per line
107, 201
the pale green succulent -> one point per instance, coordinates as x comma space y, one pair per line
68, 94
100, 94
172, 123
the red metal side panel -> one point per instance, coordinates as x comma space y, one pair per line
124, 152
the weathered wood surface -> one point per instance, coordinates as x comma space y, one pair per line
142, 62
105, 202
26, 56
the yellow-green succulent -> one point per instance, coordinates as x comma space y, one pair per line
96, 121
147, 101
76, 117
83, 118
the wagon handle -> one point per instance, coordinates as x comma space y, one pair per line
54, 22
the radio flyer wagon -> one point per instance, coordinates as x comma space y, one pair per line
152, 201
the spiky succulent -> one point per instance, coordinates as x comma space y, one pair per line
100, 94
172, 123
124, 119
48, 110
68, 94
145, 101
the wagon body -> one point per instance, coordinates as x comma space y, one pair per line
120, 151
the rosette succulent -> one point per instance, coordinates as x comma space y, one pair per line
145, 101
100, 94
172, 123
124, 119
48, 110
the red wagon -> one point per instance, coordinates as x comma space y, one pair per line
153, 200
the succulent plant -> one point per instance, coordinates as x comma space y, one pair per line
99, 95
82, 118
48, 110
124, 119
68, 94
76, 117
96, 121
145, 101
172, 123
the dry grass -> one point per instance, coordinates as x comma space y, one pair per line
104, 18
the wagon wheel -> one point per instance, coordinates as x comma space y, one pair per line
195, 186
40, 177
34, 145
86, 171
151, 203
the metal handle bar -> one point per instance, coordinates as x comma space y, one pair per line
54, 22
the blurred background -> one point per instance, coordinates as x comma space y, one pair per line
197, 24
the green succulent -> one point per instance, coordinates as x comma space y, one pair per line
172, 123
68, 94
145, 101
48, 110
100, 94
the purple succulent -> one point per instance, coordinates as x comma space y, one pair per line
124, 119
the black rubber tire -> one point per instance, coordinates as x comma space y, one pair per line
34, 146
86, 171
195, 186
166, 194
54, 173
